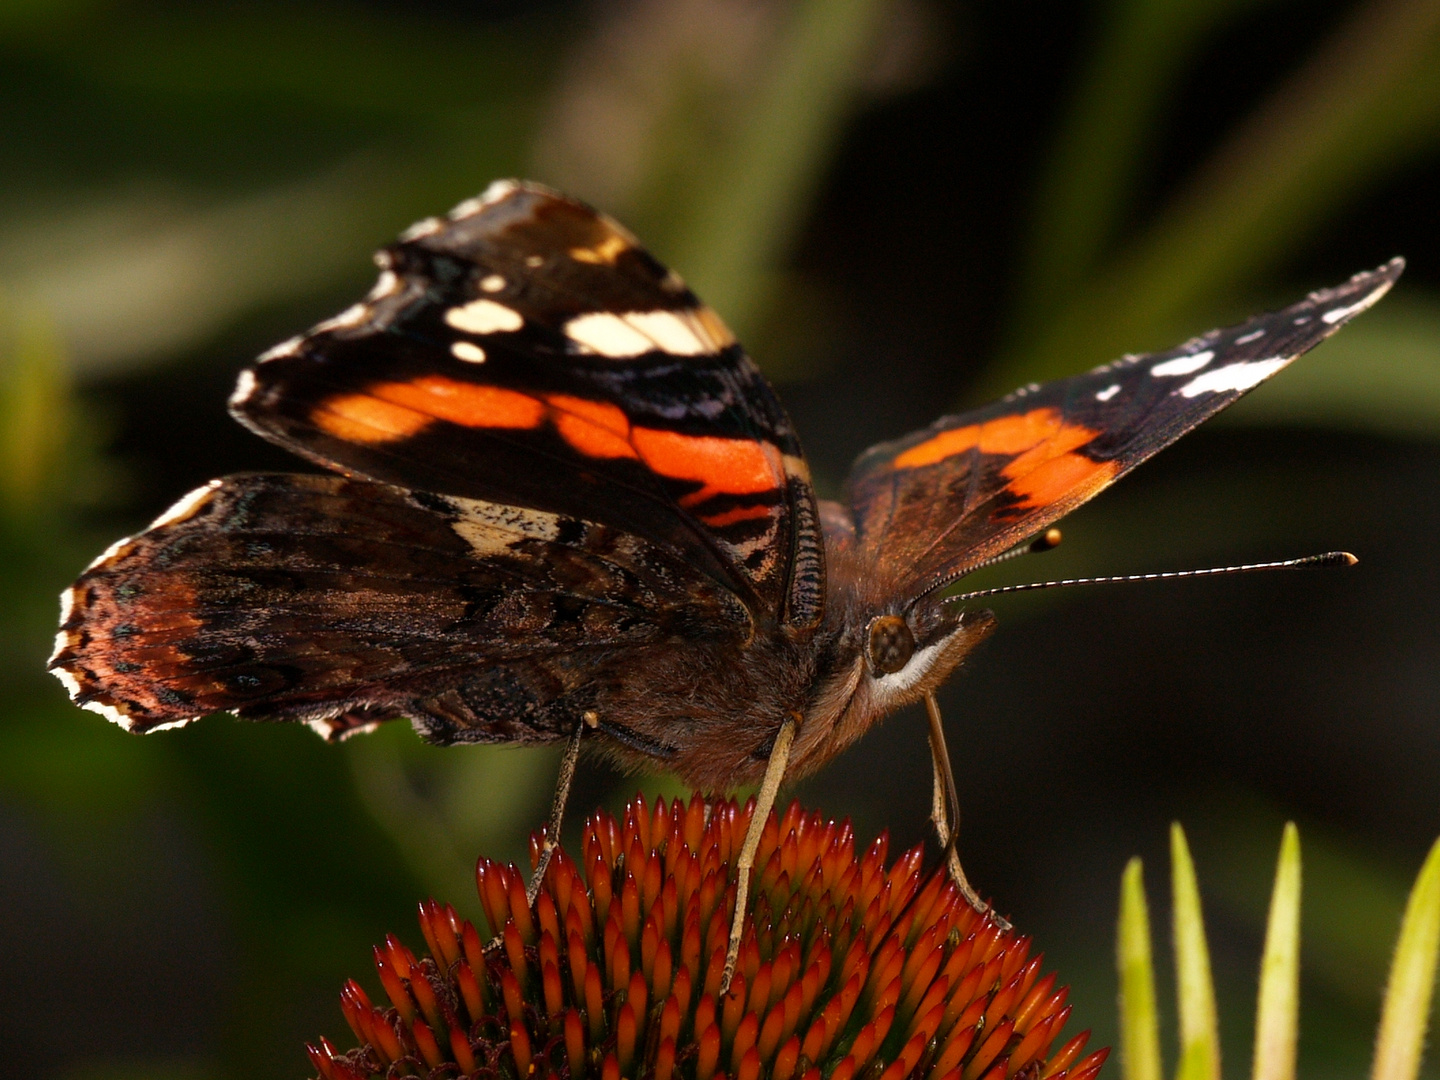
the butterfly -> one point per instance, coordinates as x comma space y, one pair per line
562, 505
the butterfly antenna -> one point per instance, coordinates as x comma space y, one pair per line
1049, 540
1329, 558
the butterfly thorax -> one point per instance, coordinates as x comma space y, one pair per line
876, 651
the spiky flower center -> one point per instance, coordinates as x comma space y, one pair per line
848, 968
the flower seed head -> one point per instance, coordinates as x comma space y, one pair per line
849, 968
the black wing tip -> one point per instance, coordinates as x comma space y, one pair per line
1336, 306
1388, 272
523, 194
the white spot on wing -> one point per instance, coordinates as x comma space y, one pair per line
114, 551
670, 330
1233, 377
326, 729
795, 467
468, 351
492, 194
1109, 392
186, 506
351, 317
1337, 314
171, 726
1183, 365
63, 641
114, 715
609, 335
67, 605
244, 387
71, 684
484, 317
1254, 335
491, 528
286, 348
428, 227
385, 285
680, 333
492, 283
534, 261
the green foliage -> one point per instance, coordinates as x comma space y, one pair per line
1405, 1012
1139, 1015
1199, 1030
1406, 1015
1277, 1009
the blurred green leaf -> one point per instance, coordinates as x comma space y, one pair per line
365, 60
1346, 955
34, 408
1104, 143
1139, 1016
1195, 990
749, 210
443, 806
1277, 1009
134, 270
1406, 1012
1367, 101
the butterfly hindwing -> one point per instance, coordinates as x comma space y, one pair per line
933, 505
342, 602
525, 350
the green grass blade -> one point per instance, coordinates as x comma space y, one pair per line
1277, 1014
746, 217
1139, 1017
1406, 1012
1103, 147
35, 407
1366, 102
1199, 1034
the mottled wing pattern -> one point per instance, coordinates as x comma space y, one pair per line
343, 602
933, 505
525, 350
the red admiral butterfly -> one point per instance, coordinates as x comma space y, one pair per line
564, 505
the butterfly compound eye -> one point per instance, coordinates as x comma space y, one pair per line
891, 644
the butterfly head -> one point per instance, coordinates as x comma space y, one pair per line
910, 652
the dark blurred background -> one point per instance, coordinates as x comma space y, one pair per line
903, 207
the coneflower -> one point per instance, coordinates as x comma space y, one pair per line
848, 968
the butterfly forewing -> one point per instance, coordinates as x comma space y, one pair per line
940, 501
526, 350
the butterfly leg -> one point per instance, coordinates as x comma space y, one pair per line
945, 812
764, 801
557, 814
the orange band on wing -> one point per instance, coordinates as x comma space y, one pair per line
739, 513
1045, 470
1066, 478
464, 403
723, 466
939, 447
360, 418
1003, 435
595, 428
1063, 440
397, 410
